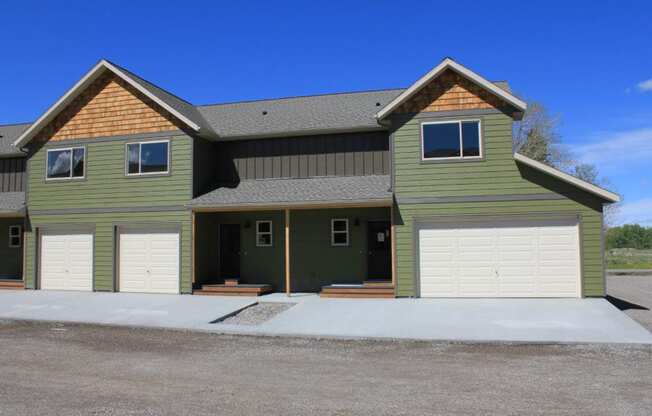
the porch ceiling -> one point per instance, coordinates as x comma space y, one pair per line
351, 190
12, 204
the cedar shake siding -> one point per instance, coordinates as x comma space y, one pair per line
450, 92
108, 107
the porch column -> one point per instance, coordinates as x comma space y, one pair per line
287, 252
193, 248
392, 238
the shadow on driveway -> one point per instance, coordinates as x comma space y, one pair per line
624, 305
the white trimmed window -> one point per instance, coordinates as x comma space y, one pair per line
451, 140
264, 234
64, 164
339, 232
148, 158
15, 236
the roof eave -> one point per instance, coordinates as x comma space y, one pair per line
608, 196
448, 63
84, 82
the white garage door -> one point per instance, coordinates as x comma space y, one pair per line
67, 261
500, 259
149, 262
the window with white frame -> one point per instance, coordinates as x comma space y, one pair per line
148, 158
65, 163
15, 236
263, 233
451, 140
339, 232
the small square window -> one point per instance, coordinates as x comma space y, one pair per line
15, 236
339, 232
263, 233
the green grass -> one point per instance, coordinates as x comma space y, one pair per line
628, 258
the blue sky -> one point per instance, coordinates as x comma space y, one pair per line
588, 62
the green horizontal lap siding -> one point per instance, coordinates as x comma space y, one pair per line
106, 185
103, 261
498, 175
11, 258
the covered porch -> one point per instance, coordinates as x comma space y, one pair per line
295, 243
12, 228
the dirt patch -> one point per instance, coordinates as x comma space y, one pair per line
257, 314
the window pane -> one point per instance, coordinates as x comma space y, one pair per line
339, 225
340, 238
15, 241
133, 154
58, 164
441, 140
14, 231
471, 138
78, 163
264, 239
154, 157
264, 227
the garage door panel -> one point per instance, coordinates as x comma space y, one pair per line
149, 262
515, 259
67, 262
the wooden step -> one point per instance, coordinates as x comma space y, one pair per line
12, 284
239, 290
386, 291
377, 283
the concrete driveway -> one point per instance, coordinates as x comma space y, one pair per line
526, 320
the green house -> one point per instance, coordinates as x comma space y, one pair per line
121, 186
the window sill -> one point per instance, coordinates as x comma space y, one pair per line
452, 160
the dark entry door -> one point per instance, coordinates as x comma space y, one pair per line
230, 251
379, 264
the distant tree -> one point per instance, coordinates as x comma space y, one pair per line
536, 136
629, 236
589, 173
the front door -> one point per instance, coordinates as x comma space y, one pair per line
379, 264
230, 251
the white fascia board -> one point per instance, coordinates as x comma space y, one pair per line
73, 92
589, 187
462, 70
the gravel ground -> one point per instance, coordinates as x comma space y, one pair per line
52, 369
258, 313
633, 295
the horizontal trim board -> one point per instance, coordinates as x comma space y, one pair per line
481, 218
447, 113
295, 205
66, 228
148, 227
478, 198
140, 137
103, 210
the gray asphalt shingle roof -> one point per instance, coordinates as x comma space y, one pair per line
298, 115
8, 134
185, 108
286, 192
12, 201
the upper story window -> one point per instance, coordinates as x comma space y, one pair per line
65, 163
148, 158
451, 140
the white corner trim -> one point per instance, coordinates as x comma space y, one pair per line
589, 187
462, 70
73, 92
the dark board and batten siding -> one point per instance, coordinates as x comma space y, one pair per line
353, 154
12, 175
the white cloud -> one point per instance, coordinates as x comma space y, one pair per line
637, 212
617, 149
645, 86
